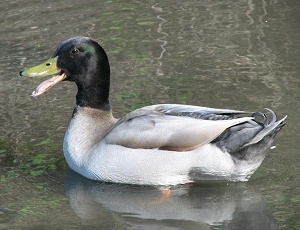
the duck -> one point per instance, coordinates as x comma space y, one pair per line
159, 145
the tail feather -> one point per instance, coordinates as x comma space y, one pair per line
255, 150
273, 126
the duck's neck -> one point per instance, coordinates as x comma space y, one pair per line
94, 91
86, 129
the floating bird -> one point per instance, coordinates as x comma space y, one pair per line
164, 144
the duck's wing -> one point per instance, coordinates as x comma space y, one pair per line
172, 127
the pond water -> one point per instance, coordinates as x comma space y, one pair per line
226, 54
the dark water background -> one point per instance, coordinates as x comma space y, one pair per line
226, 54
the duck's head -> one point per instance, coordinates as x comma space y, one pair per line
80, 60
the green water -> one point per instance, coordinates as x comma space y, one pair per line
225, 54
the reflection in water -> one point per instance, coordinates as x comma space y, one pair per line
162, 39
203, 206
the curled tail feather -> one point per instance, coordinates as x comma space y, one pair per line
270, 127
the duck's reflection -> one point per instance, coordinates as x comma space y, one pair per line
202, 206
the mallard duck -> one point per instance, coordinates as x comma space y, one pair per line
164, 144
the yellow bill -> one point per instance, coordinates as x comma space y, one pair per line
44, 69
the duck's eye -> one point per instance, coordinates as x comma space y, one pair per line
74, 51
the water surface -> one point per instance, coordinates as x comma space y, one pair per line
227, 54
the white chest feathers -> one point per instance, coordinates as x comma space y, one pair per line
86, 129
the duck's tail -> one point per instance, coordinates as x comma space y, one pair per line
270, 128
255, 149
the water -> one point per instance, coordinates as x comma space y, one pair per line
225, 54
